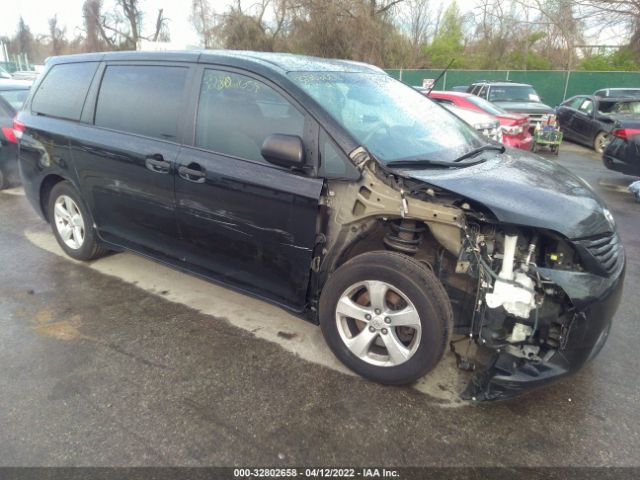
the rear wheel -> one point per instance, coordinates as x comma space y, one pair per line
386, 316
600, 142
72, 223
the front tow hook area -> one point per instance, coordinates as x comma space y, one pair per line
509, 376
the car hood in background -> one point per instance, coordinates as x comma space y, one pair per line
512, 117
472, 117
523, 189
525, 107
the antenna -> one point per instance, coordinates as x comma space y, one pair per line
440, 76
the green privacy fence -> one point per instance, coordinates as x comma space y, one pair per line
552, 85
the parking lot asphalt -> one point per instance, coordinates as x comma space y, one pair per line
126, 362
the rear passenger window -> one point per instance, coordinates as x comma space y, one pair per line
63, 91
141, 99
236, 113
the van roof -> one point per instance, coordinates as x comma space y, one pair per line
284, 62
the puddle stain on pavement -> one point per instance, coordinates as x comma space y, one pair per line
65, 330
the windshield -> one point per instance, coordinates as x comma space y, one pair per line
486, 106
15, 97
513, 93
392, 120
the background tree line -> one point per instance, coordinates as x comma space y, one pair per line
495, 34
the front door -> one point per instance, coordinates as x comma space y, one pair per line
583, 120
243, 220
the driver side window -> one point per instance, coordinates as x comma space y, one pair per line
586, 107
575, 103
237, 112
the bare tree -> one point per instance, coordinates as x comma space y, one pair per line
417, 19
92, 15
56, 36
203, 19
161, 33
121, 28
24, 38
615, 14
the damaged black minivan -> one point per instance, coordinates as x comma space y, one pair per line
337, 192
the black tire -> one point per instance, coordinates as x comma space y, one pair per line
599, 142
91, 247
419, 285
3, 180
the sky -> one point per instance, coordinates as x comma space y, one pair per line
37, 12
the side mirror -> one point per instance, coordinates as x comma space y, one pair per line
283, 150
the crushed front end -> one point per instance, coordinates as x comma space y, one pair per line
542, 307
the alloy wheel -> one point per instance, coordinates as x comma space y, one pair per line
69, 222
378, 323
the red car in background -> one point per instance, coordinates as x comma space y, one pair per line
515, 127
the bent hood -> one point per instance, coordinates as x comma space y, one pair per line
523, 189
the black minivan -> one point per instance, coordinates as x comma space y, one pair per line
337, 192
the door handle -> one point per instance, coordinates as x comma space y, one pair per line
156, 163
196, 175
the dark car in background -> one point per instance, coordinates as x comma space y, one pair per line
12, 96
589, 120
623, 151
513, 97
618, 92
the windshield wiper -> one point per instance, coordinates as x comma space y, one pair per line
429, 163
476, 151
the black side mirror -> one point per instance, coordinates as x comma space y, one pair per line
283, 150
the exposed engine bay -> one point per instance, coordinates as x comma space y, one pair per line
510, 318
517, 311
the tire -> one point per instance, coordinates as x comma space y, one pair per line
3, 180
81, 241
599, 143
414, 296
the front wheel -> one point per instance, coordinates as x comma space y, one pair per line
386, 316
72, 223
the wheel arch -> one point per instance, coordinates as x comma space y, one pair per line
372, 235
47, 184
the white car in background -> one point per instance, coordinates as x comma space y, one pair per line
486, 124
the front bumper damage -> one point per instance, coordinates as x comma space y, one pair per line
595, 300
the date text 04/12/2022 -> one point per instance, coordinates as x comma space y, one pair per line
315, 473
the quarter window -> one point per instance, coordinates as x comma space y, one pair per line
236, 113
63, 91
142, 99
